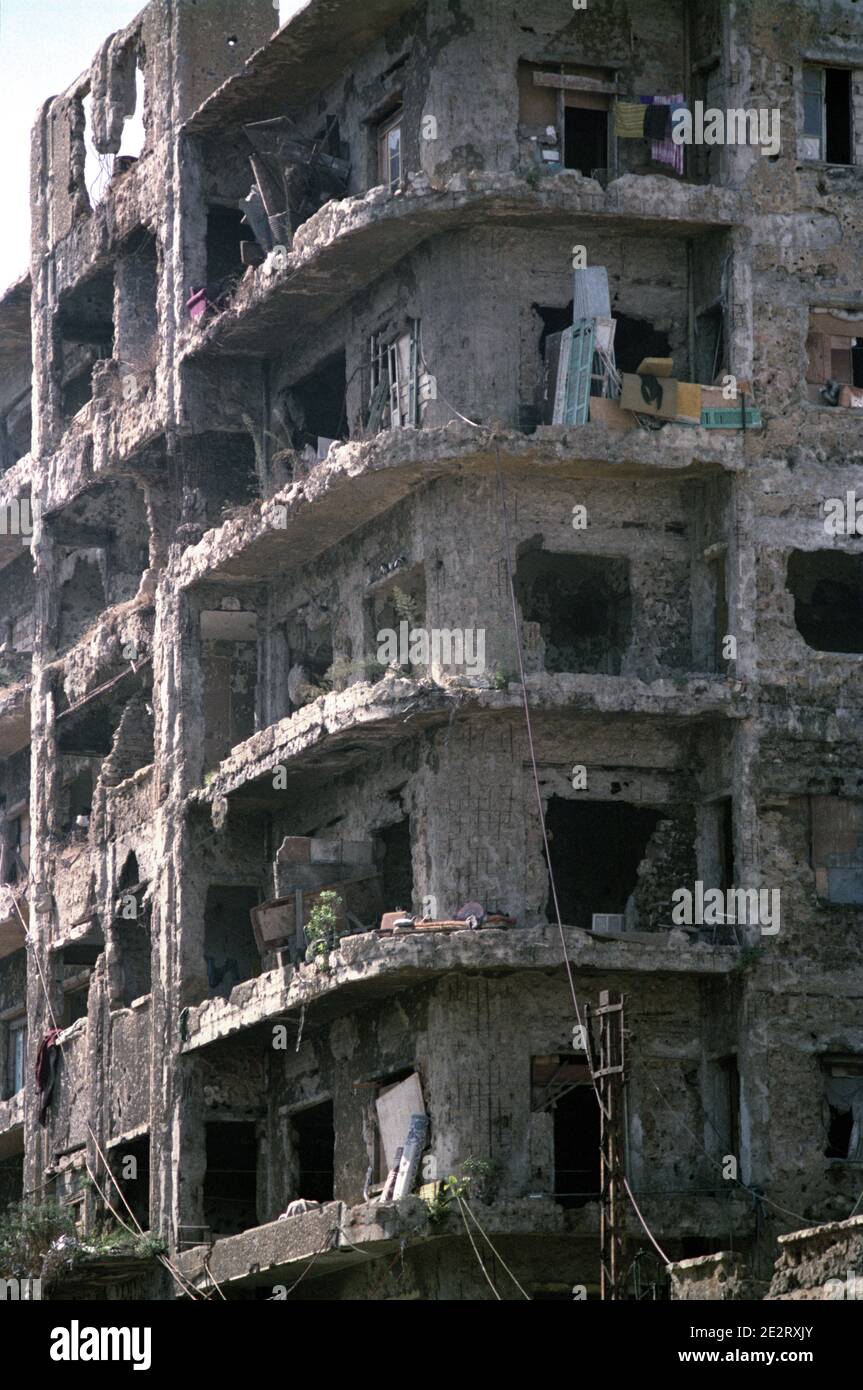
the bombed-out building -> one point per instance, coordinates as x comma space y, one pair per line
431, 759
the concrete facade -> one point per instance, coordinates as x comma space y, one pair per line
197, 717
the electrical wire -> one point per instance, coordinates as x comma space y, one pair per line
469, 1233
495, 1252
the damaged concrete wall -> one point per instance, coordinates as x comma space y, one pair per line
211, 578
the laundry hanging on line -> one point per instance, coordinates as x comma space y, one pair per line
628, 120
664, 150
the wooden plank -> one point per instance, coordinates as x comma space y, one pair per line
395, 1107
573, 84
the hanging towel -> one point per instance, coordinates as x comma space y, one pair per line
665, 151
657, 122
629, 120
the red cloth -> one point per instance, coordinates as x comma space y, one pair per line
46, 1069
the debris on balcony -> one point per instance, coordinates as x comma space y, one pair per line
293, 179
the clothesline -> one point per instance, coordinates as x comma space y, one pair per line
651, 118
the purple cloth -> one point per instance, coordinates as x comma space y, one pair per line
665, 151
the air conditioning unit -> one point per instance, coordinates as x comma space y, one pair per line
608, 923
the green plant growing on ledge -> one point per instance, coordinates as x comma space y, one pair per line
110, 1239
340, 672
323, 927
484, 1175
480, 1178
27, 1232
450, 1191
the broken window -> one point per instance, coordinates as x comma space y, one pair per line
17, 616
137, 277
725, 1122
16, 1054
396, 380
596, 848
834, 357
561, 1085
827, 586
132, 936
843, 1101
315, 408
130, 1164
85, 324
76, 796
717, 569
102, 549
585, 141
564, 113
76, 996
396, 600
837, 848
309, 641
224, 261
396, 866
314, 1140
230, 953
229, 673
389, 143
132, 933
230, 1182
581, 606
219, 472
15, 844
82, 594
827, 114
15, 430
724, 811
134, 135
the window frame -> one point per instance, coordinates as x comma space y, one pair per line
807, 91
16, 1027
384, 129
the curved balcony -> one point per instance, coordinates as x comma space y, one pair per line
372, 965
352, 241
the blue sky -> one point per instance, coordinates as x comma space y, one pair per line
44, 45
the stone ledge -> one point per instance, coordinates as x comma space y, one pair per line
372, 965
377, 712
363, 478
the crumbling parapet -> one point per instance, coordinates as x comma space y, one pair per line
722, 1276
820, 1262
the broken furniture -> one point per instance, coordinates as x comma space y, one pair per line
306, 867
293, 179
580, 360
582, 383
403, 1132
